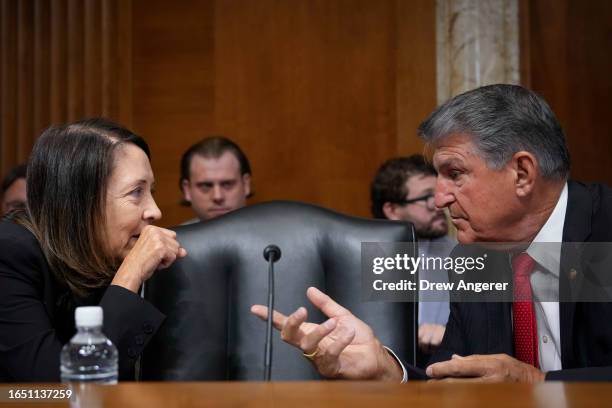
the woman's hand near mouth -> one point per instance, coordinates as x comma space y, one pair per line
156, 248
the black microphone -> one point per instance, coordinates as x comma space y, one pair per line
271, 253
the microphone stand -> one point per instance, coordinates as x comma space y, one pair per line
271, 253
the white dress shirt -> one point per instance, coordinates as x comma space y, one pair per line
545, 285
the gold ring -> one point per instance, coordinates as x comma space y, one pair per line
312, 355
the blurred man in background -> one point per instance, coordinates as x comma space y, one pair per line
403, 190
215, 178
14, 189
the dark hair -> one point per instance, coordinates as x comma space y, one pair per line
13, 175
389, 184
67, 179
502, 120
212, 147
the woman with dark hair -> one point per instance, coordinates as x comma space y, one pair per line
85, 238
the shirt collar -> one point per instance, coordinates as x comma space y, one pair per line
548, 253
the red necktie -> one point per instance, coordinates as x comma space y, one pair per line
523, 314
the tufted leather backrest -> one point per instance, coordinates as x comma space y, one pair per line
209, 332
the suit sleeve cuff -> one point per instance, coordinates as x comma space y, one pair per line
404, 372
129, 321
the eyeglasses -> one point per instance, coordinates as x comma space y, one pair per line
428, 199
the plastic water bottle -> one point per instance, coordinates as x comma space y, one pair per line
89, 356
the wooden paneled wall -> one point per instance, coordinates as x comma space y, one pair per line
317, 92
567, 58
61, 60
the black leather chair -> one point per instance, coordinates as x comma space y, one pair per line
209, 332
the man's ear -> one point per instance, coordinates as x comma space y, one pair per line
186, 190
525, 167
246, 180
390, 211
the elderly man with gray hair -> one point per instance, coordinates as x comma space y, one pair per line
503, 168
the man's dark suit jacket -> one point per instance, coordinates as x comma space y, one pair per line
585, 328
37, 314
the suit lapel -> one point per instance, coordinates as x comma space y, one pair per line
499, 317
576, 230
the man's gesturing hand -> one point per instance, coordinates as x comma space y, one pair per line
343, 346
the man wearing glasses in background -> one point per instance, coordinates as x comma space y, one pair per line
13, 189
403, 190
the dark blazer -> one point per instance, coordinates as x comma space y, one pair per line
585, 328
37, 313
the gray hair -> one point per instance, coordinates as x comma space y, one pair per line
502, 120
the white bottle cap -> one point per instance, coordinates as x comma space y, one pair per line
88, 316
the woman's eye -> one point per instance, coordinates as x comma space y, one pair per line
137, 192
